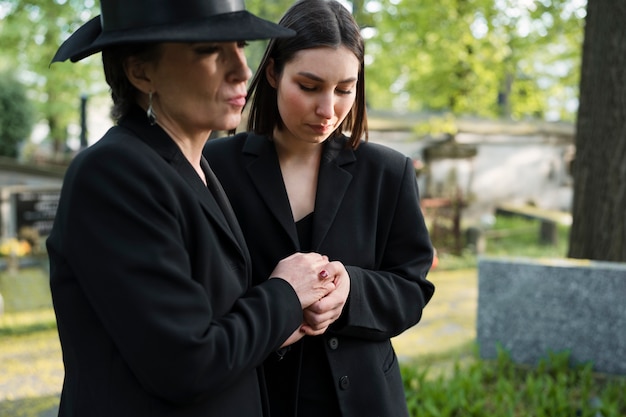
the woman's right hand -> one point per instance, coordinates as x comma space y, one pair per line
325, 312
310, 275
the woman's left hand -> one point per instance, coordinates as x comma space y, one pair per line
326, 311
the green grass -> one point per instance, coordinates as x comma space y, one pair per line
27, 322
516, 236
480, 388
29, 346
46, 406
25, 289
509, 236
32, 370
457, 383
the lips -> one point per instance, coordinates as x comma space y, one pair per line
237, 101
321, 129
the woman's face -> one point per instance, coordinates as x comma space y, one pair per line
315, 91
200, 86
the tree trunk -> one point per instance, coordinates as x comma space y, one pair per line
599, 207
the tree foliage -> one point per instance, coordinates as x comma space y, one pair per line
32, 30
483, 57
480, 57
598, 229
16, 115
30, 33
269, 10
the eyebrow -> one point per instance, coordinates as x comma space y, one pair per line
316, 78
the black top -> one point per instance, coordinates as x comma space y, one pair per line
316, 391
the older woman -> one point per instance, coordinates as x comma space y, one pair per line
150, 274
298, 178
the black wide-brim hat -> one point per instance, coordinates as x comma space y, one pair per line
155, 21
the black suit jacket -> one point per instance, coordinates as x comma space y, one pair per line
151, 288
367, 215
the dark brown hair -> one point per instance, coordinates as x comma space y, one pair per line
317, 23
123, 92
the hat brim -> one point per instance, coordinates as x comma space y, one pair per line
228, 27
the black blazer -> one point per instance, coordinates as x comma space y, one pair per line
367, 215
151, 288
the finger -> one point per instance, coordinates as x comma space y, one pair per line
326, 304
319, 320
309, 331
334, 269
315, 308
329, 287
318, 327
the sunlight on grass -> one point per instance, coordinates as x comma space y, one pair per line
25, 289
45, 406
449, 318
27, 321
32, 364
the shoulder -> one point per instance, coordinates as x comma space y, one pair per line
224, 148
375, 156
382, 152
226, 142
119, 158
117, 146
245, 143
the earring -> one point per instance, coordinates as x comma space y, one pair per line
150, 112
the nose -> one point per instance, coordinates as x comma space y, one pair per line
325, 105
240, 72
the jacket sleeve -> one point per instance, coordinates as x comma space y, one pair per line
125, 236
389, 298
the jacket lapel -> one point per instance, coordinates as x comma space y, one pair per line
160, 142
264, 171
222, 200
332, 183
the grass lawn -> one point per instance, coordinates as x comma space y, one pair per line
449, 320
32, 368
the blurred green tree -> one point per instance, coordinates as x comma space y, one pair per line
506, 58
16, 115
269, 10
30, 33
482, 57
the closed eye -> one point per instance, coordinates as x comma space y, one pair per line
306, 88
311, 89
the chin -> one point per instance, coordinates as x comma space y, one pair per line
228, 124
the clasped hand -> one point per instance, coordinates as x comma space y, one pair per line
324, 312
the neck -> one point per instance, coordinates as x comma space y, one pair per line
299, 164
296, 151
191, 146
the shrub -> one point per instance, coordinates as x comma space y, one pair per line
16, 115
501, 388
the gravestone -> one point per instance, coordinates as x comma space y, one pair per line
533, 307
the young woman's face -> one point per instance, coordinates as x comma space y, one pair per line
315, 91
200, 86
